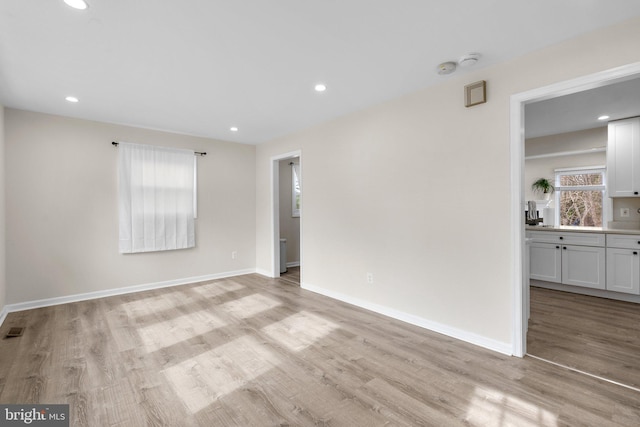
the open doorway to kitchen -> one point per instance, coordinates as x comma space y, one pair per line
579, 331
286, 173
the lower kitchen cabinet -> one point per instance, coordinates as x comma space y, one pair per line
584, 266
623, 270
545, 262
569, 258
571, 265
608, 262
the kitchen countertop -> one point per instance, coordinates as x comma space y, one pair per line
570, 229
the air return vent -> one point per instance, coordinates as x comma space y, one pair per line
16, 331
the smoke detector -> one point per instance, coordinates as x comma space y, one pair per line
468, 60
446, 68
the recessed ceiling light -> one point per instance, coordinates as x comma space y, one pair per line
77, 4
233, 129
72, 99
603, 117
320, 87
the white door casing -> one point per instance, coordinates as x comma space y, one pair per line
518, 262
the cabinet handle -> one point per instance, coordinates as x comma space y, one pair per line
557, 247
635, 253
635, 192
564, 247
563, 238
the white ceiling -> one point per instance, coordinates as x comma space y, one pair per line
580, 111
201, 66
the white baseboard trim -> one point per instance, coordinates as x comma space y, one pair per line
293, 264
263, 272
268, 274
470, 337
3, 314
10, 308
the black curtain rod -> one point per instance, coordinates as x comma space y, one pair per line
197, 153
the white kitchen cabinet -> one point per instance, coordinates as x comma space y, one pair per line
623, 270
583, 266
623, 263
545, 262
623, 158
570, 258
606, 262
623, 241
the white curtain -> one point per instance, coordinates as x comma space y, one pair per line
156, 198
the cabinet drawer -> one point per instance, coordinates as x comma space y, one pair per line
623, 241
544, 236
570, 238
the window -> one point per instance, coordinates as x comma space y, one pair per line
156, 198
295, 190
580, 196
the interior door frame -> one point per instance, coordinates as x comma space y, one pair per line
518, 101
275, 211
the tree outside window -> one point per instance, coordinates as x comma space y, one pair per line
579, 196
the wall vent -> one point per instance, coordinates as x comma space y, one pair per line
15, 331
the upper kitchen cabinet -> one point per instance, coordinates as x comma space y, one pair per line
623, 158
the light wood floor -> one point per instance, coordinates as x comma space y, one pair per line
251, 351
292, 275
596, 335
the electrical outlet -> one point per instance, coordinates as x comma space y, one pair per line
370, 278
234, 254
624, 212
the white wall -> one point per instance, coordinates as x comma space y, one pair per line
3, 282
403, 190
571, 141
633, 220
289, 225
62, 216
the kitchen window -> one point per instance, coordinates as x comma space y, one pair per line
580, 196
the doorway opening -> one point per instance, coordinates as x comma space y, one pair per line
520, 275
286, 199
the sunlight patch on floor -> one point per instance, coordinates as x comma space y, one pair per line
164, 334
250, 305
203, 379
300, 330
153, 304
490, 407
211, 290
